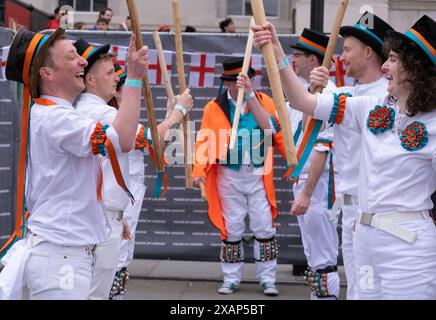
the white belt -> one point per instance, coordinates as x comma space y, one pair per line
386, 222
115, 215
343, 199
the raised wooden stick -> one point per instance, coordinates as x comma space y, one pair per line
163, 65
131, 4
332, 44
245, 66
276, 86
182, 88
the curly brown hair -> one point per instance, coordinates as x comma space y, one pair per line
421, 75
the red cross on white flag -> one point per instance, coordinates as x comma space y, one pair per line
257, 65
120, 54
4, 52
154, 70
202, 70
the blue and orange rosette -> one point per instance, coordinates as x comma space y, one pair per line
414, 137
141, 141
98, 139
381, 119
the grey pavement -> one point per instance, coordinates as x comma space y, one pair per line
187, 280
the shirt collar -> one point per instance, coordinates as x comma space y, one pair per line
60, 101
244, 103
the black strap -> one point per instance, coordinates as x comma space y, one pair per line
328, 269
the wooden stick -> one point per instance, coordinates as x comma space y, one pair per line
131, 4
182, 88
203, 191
163, 65
332, 43
276, 86
245, 66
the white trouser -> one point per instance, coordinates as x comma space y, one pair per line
243, 193
390, 268
349, 215
106, 259
55, 272
131, 215
319, 234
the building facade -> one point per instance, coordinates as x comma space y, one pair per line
290, 16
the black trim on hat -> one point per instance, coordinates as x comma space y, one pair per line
373, 37
82, 46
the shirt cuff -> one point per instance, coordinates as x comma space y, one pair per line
324, 107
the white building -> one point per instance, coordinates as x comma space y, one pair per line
290, 16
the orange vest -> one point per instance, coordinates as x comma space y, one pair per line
211, 146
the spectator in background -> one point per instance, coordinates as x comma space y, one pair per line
104, 14
126, 25
102, 24
55, 22
190, 29
107, 14
164, 28
227, 26
79, 26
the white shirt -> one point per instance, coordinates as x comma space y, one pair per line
96, 108
391, 178
347, 143
62, 177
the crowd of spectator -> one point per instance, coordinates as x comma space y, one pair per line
105, 16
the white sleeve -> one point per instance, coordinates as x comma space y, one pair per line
352, 117
324, 137
69, 132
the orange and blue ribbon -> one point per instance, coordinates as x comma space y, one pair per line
305, 148
143, 142
331, 191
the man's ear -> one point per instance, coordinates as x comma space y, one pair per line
46, 73
89, 79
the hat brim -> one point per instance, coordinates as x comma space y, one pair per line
401, 36
39, 61
233, 77
96, 55
301, 48
364, 37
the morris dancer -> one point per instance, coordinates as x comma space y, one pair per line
67, 220
363, 57
101, 84
245, 185
314, 187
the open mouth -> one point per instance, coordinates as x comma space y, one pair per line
80, 75
388, 77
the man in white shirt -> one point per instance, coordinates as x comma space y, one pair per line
67, 220
363, 57
314, 180
101, 84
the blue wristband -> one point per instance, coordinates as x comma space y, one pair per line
284, 64
250, 95
133, 83
181, 108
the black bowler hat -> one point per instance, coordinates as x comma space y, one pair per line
422, 35
26, 56
121, 73
371, 30
89, 52
232, 68
312, 42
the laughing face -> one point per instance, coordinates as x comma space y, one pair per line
68, 67
396, 75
